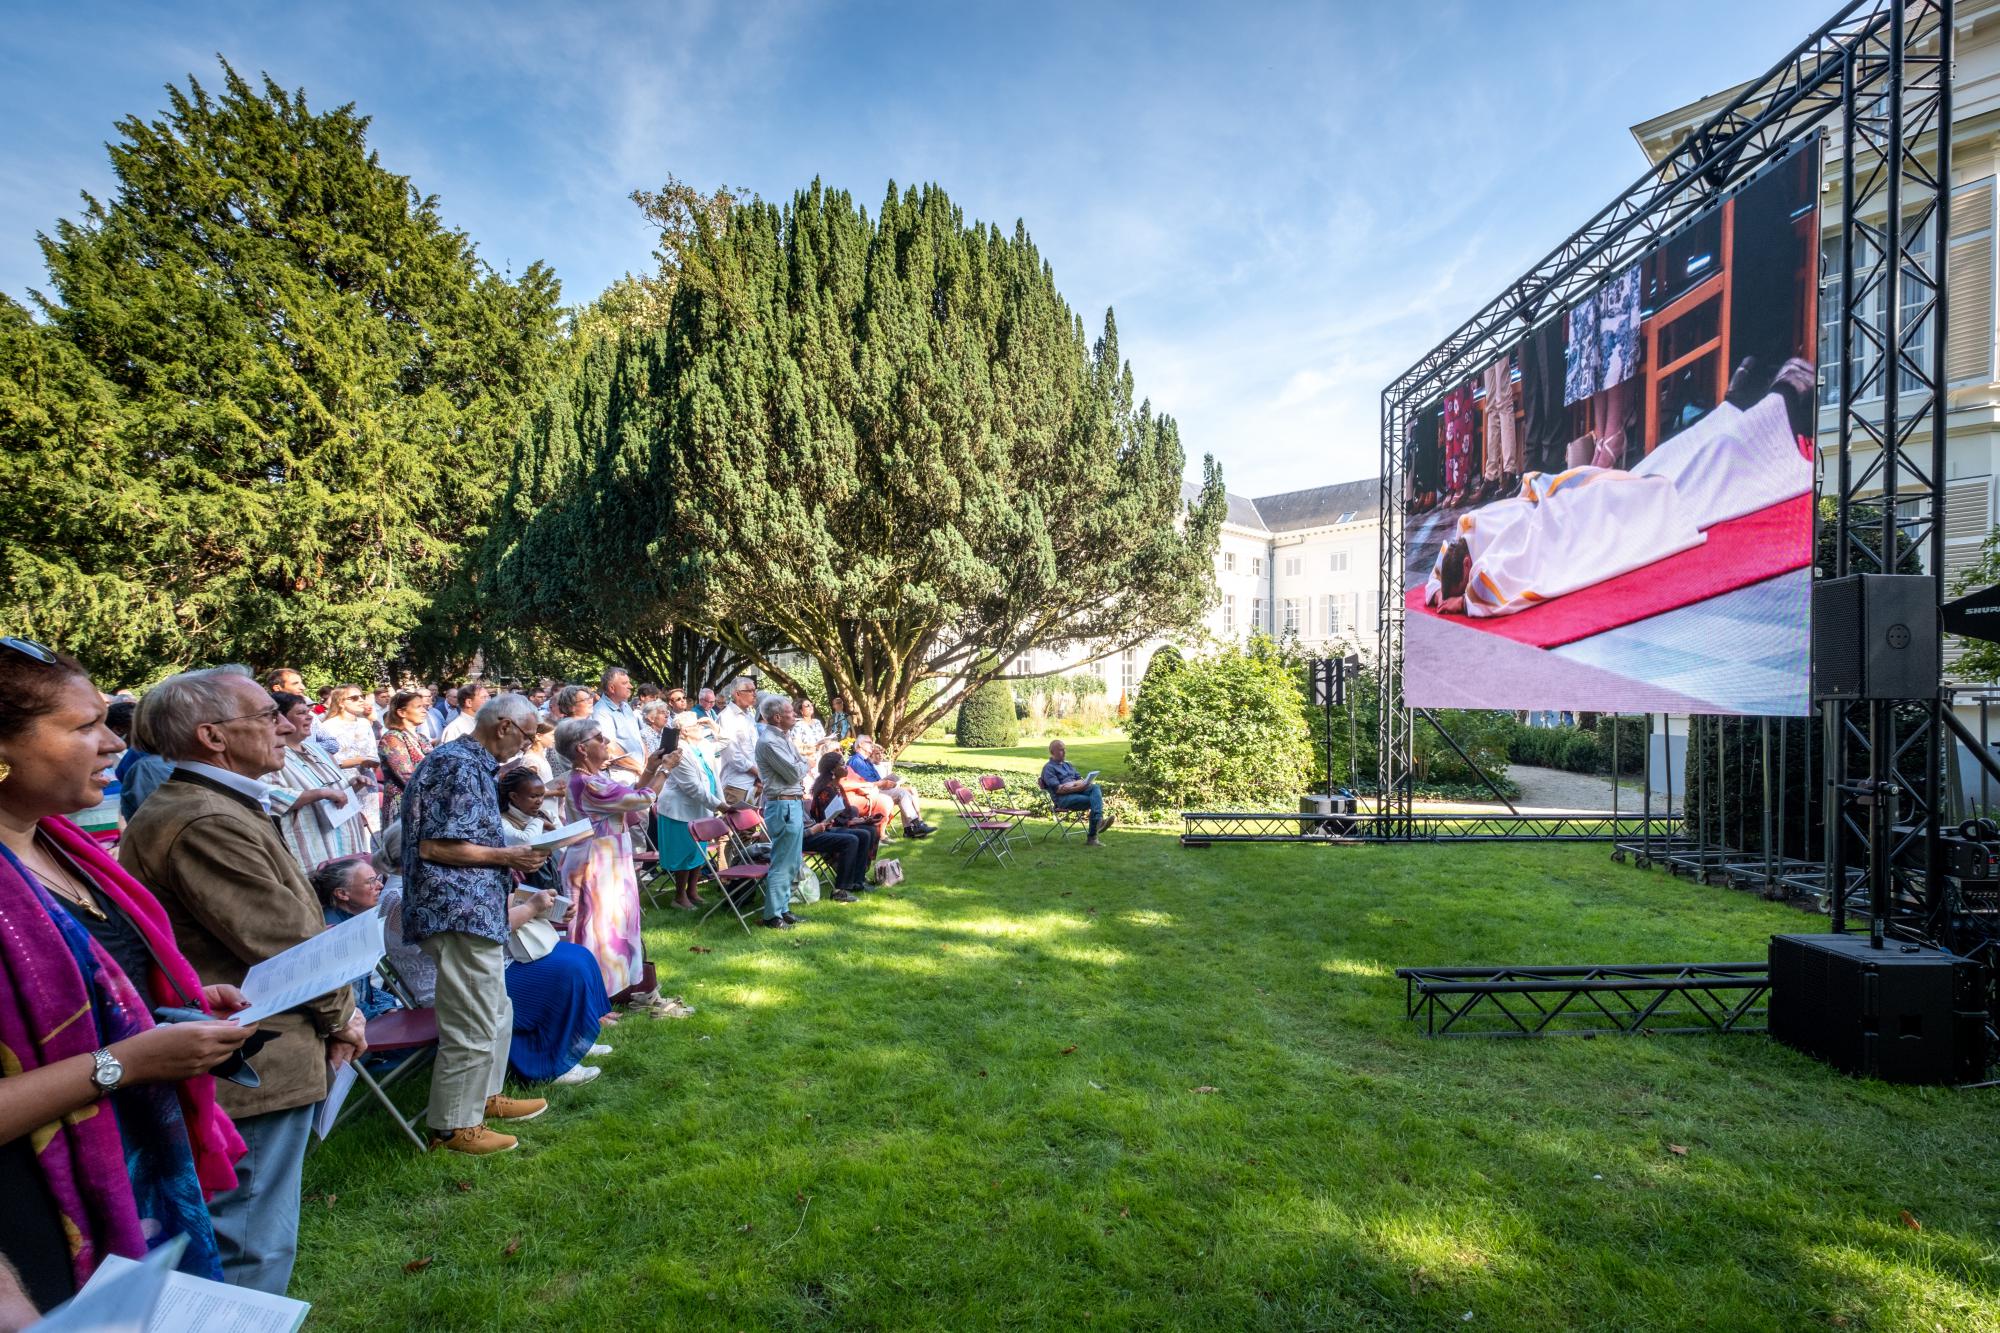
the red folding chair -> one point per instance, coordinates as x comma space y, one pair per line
412, 1031
1069, 821
736, 885
995, 788
987, 834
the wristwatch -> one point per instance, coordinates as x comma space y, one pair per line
107, 1074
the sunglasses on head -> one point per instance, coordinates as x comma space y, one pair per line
28, 648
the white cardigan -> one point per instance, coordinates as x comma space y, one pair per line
694, 789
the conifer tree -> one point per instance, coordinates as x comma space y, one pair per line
307, 383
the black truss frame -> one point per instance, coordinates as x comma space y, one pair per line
1203, 828
1877, 76
1659, 999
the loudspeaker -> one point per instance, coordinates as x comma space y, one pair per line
1875, 636
1903, 1013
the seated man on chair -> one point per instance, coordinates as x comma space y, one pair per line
870, 764
1070, 790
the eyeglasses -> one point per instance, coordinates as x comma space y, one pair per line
271, 714
30, 649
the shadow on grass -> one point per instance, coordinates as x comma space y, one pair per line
977, 1102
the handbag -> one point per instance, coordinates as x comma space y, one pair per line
888, 872
532, 939
805, 889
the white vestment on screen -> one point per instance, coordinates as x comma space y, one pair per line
1569, 530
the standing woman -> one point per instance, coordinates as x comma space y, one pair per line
404, 744
85, 955
309, 778
808, 732
693, 791
598, 871
571, 702
350, 723
838, 724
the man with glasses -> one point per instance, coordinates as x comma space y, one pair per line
207, 847
456, 879
737, 730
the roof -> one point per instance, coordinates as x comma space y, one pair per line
1242, 509
1345, 501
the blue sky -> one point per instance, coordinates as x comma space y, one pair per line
1286, 204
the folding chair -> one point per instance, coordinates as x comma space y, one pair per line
735, 884
987, 833
1069, 821
995, 786
953, 788
411, 1029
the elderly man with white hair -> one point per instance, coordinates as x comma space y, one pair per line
736, 730
784, 774
870, 763
456, 881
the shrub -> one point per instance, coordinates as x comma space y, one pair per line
1222, 731
986, 717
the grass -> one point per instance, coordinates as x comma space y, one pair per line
1107, 753
972, 1103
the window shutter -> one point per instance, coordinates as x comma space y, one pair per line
1968, 517
1968, 267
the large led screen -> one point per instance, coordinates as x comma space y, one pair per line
1616, 515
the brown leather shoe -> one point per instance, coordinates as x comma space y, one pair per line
474, 1141
514, 1108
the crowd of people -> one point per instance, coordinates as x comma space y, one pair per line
501, 837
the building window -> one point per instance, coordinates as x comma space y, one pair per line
1229, 562
1228, 614
1348, 517
1337, 562
1256, 613
1128, 667
1291, 612
1332, 614
1292, 564
1257, 566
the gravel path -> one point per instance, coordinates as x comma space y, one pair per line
1556, 789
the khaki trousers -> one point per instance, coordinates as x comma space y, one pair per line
475, 1028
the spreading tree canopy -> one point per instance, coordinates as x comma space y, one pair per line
261, 415
885, 443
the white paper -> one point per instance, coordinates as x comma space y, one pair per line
121, 1295
336, 813
306, 971
1091, 776
190, 1304
338, 1083
567, 833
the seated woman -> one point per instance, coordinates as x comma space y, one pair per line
346, 889
1573, 529
558, 995
835, 831
693, 791
525, 816
599, 873
83, 939
309, 778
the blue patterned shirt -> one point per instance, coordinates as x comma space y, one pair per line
452, 797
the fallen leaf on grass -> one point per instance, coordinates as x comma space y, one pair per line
1910, 1221
1124, 1212
982, 1073
417, 1265
511, 1248
1204, 1088
1069, 1050
330, 1198
1677, 1150
747, 1227
1065, 893
464, 1186
699, 948
799, 1199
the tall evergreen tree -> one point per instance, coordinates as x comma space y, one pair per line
311, 384
886, 444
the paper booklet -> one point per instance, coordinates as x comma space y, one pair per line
127, 1294
308, 970
338, 1083
336, 813
562, 837
1091, 776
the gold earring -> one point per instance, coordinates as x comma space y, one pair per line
6, 769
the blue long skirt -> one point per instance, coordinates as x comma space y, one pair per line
677, 847
558, 1000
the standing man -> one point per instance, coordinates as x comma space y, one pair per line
456, 879
1068, 790
784, 776
619, 721
707, 706
471, 697
736, 727
205, 844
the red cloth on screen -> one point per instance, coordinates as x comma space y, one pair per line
1739, 552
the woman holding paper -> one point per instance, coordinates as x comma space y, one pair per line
335, 830
79, 936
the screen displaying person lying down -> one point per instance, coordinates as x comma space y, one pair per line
1616, 513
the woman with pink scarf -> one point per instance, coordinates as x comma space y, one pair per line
110, 1138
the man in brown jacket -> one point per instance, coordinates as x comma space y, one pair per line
207, 847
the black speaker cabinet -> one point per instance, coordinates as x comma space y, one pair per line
1902, 1013
1875, 636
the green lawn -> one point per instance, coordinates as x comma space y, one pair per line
971, 1103
1106, 753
